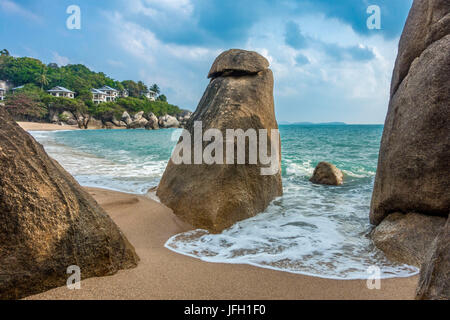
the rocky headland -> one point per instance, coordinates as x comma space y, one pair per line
138, 120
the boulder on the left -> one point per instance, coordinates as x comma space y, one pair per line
48, 222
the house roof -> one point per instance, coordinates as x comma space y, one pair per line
107, 88
97, 91
19, 87
60, 89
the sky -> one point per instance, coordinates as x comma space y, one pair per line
328, 65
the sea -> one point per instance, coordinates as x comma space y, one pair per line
312, 229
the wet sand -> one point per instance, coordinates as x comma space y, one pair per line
163, 274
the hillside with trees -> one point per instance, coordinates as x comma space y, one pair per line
33, 103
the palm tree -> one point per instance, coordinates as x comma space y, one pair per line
155, 88
4, 52
42, 78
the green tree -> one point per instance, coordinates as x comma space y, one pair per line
161, 98
155, 88
42, 78
132, 87
143, 89
4, 52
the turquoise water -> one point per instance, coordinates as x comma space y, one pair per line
312, 229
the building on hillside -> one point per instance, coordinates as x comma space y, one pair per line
111, 93
5, 84
124, 93
151, 95
16, 88
61, 92
2, 94
98, 96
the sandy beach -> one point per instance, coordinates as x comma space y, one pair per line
163, 274
43, 126
37, 126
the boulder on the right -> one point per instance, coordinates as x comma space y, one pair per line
413, 166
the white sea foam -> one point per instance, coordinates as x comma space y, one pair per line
123, 173
313, 230
297, 241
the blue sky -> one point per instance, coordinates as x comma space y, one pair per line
328, 65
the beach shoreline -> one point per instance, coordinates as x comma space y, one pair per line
43, 126
164, 274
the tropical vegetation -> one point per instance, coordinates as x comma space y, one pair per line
33, 103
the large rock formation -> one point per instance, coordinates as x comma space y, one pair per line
407, 238
413, 170
48, 222
327, 173
413, 167
434, 282
167, 121
152, 123
215, 196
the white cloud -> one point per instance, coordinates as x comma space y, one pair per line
357, 88
166, 11
173, 67
60, 60
340, 89
115, 63
11, 7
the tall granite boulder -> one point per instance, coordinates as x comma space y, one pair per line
48, 222
428, 22
215, 196
413, 170
413, 166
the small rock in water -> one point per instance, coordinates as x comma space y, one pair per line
327, 173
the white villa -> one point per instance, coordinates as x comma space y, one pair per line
61, 92
151, 95
111, 93
98, 96
107, 94
2, 94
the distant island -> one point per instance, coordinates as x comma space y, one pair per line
312, 123
73, 94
